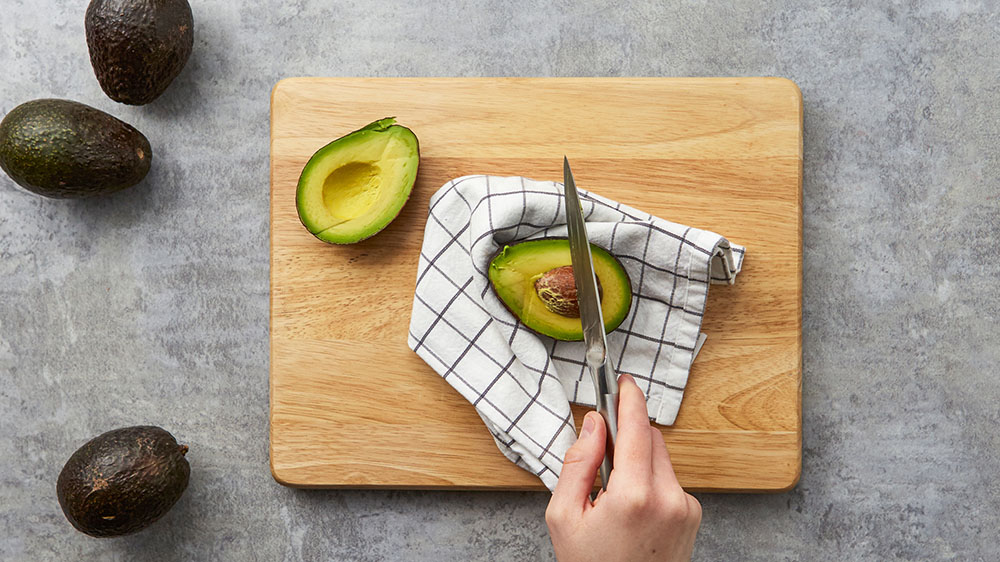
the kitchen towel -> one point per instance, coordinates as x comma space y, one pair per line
522, 383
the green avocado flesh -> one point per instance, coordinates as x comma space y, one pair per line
355, 186
515, 274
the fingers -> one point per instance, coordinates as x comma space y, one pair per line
572, 493
633, 450
663, 469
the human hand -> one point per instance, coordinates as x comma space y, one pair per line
644, 515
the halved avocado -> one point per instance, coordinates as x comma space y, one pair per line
534, 279
355, 186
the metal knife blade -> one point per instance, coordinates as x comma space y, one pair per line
583, 272
592, 319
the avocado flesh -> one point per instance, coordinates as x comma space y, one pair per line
515, 269
355, 186
65, 149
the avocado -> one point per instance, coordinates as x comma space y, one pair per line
355, 186
138, 47
122, 481
534, 280
64, 149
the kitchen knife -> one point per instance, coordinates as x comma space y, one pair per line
598, 362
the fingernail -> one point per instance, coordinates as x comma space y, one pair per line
625, 377
588, 426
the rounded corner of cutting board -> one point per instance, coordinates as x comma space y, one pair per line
280, 474
284, 84
793, 478
283, 479
788, 479
788, 84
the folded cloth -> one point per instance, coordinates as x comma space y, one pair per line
522, 383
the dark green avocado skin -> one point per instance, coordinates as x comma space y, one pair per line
64, 149
122, 481
138, 47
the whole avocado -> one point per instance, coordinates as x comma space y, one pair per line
64, 149
138, 47
122, 481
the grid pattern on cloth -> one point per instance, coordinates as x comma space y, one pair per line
521, 383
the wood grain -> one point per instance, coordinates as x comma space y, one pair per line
352, 406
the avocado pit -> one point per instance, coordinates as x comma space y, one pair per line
557, 289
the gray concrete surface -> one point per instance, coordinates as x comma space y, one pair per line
150, 306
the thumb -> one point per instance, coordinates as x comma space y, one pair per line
580, 466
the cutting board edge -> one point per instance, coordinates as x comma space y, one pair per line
284, 82
789, 481
537, 488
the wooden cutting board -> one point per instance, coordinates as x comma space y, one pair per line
352, 406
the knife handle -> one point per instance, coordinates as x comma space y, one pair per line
607, 406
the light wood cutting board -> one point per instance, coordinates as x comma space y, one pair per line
352, 406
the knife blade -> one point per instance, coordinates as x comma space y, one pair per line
592, 320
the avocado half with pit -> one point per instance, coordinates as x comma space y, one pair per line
534, 280
355, 186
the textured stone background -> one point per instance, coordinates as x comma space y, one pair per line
151, 305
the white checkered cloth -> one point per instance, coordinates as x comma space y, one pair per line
522, 383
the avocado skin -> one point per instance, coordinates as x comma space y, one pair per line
138, 47
64, 149
122, 481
